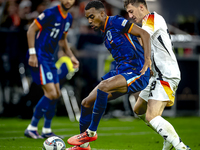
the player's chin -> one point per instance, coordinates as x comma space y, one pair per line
67, 7
96, 29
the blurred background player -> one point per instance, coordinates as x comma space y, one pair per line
131, 74
166, 74
53, 25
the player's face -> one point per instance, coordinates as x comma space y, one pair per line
67, 4
95, 18
135, 13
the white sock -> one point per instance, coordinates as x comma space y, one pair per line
84, 145
46, 130
91, 133
32, 128
167, 131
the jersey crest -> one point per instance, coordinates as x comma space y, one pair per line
67, 25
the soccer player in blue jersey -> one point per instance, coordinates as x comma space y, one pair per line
131, 74
51, 27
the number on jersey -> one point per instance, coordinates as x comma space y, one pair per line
54, 32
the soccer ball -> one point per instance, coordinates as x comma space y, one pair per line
54, 143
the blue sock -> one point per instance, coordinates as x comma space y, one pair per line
85, 119
99, 108
40, 108
49, 114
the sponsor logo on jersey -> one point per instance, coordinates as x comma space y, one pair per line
41, 16
57, 24
124, 22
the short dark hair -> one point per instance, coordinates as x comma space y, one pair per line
95, 4
126, 2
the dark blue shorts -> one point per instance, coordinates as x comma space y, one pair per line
135, 81
46, 72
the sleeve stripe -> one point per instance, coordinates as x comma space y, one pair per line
129, 31
129, 39
38, 24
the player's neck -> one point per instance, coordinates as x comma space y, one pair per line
146, 13
104, 22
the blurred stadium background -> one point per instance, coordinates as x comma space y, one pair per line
18, 95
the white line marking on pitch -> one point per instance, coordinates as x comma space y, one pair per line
100, 134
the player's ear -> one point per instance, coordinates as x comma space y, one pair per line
102, 13
141, 7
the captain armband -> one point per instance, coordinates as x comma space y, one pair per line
127, 27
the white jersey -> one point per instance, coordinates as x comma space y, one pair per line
164, 63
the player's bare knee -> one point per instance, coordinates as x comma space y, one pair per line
58, 94
85, 103
52, 95
136, 111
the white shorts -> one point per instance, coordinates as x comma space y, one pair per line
160, 90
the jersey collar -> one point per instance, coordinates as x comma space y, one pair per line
105, 24
61, 13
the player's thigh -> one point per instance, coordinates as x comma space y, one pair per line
90, 99
115, 84
155, 108
50, 90
140, 106
57, 86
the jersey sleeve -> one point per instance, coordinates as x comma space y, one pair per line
43, 19
148, 24
122, 24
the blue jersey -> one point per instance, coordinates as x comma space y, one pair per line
52, 24
124, 47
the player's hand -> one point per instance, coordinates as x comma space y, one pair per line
147, 64
33, 61
75, 62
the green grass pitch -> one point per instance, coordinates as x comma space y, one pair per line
113, 134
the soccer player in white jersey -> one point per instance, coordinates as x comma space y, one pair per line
160, 92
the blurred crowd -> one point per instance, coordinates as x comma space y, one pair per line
15, 18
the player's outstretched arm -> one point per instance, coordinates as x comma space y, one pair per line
33, 62
145, 37
64, 43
